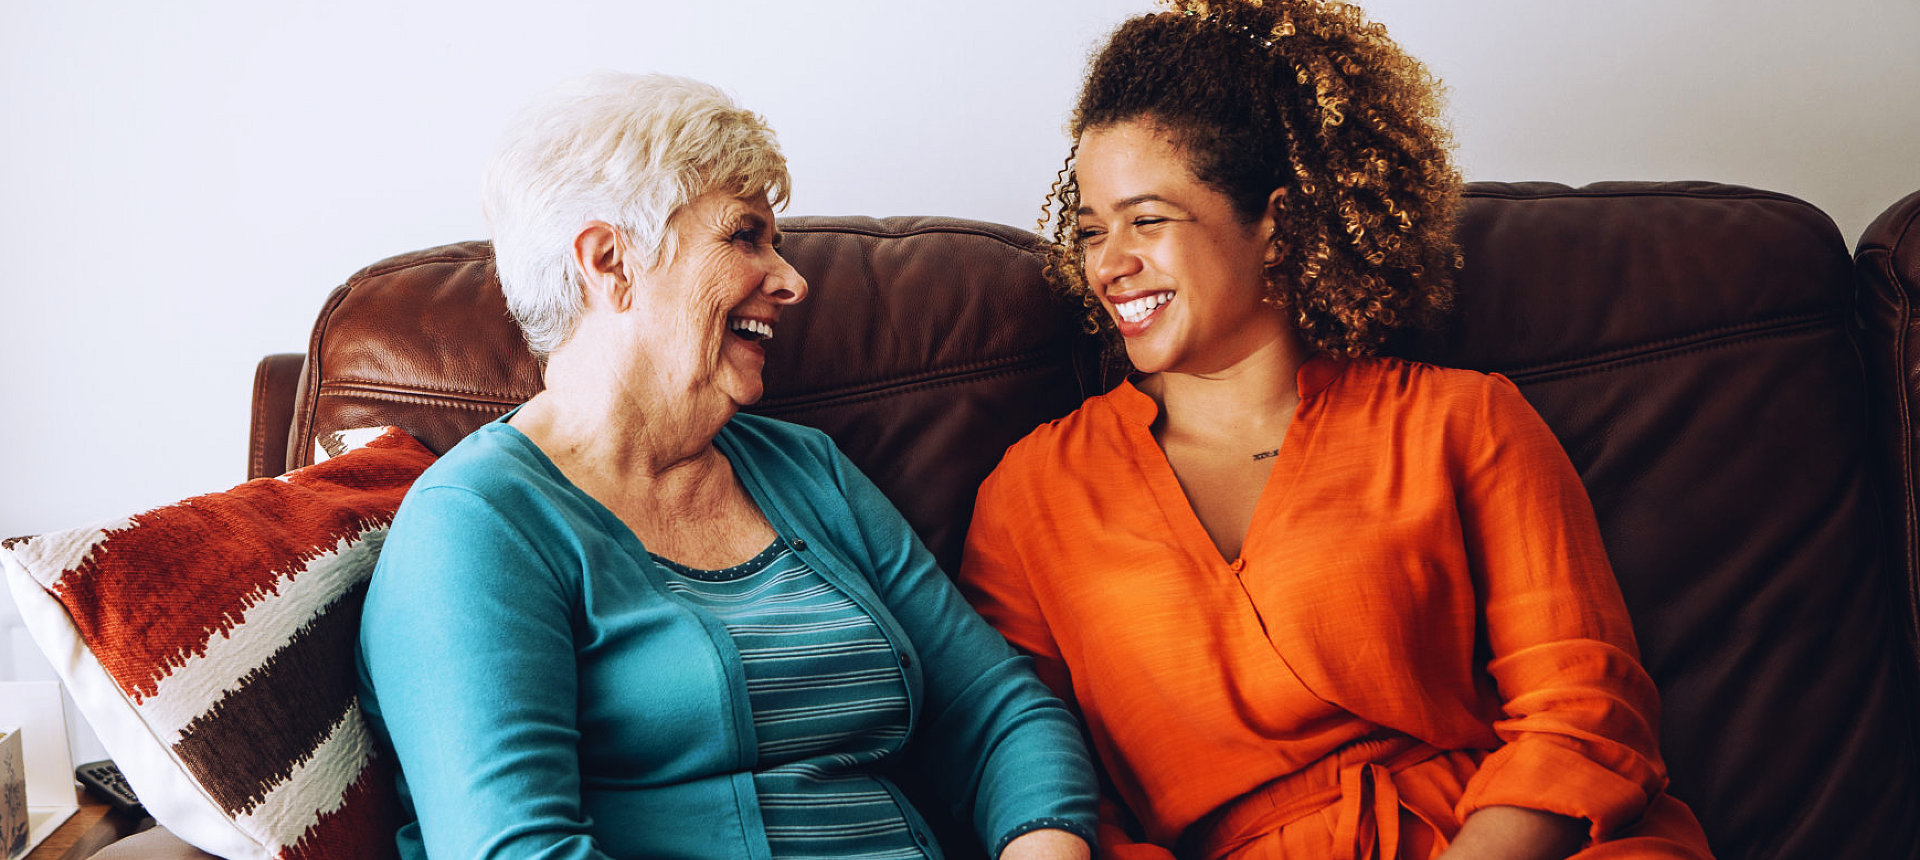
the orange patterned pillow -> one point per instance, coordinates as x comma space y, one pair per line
210, 644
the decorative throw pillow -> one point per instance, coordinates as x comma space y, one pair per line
210, 644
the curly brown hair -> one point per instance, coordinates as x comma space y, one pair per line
1303, 95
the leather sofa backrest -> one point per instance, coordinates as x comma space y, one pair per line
1694, 346
925, 347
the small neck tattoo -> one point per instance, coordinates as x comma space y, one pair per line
1265, 454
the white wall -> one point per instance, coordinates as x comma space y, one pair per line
181, 183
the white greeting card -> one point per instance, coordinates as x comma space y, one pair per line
34, 707
13, 794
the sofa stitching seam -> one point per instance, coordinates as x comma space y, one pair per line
1030, 243
1903, 407
1711, 333
965, 369
257, 447
424, 399
1653, 353
358, 383
378, 270
923, 383
891, 390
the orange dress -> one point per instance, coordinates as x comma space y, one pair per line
1422, 623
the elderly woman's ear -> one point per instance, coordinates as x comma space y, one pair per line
600, 254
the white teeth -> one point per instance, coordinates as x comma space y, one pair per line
1138, 309
761, 330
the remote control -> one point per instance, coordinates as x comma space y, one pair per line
104, 780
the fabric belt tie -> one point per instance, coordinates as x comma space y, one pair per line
1357, 780
1359, 784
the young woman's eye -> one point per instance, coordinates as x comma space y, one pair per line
1148, 220
1089, 237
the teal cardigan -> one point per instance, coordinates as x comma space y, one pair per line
547, 697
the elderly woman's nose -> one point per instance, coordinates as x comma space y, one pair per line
784, 284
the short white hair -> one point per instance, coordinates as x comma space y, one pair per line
630, 150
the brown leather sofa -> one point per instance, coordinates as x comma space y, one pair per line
1736, 389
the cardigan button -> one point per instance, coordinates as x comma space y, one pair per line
799, 545
1239, 564
920, 838
905, 661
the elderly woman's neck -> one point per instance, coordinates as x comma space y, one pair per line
603, 412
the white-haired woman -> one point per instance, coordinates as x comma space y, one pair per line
626, 620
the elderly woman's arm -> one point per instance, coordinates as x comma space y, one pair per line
468, 653
1010, 752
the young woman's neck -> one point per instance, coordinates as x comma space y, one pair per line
1255, 394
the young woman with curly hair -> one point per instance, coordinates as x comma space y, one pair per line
1309, 602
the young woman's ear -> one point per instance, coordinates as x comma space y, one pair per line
1270, 225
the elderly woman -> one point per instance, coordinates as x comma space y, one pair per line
1367, 612
626, 620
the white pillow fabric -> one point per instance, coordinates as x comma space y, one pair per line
210, 645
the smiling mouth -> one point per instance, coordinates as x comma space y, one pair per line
751, 331
1139, 309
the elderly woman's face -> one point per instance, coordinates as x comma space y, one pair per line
719, 296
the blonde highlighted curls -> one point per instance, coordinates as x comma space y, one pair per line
1301, 95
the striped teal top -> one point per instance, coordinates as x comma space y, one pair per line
828, 699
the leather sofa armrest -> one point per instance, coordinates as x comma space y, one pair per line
1887, 262
276, 381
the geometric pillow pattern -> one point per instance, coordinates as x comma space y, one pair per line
210, 644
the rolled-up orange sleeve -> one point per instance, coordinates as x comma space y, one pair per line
1580, 722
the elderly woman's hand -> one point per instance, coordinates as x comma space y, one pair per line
1047, 845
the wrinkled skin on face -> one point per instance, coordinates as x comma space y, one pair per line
704, 311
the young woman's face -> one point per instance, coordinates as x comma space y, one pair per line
1176, 268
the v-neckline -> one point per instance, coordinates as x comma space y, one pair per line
1139, 411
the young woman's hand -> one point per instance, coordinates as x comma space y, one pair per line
1513, 833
